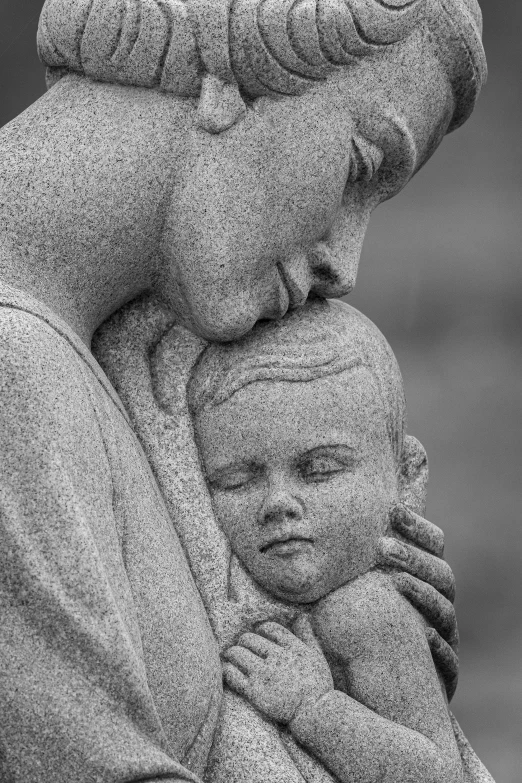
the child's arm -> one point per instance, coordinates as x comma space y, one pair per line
377, 641
396, 729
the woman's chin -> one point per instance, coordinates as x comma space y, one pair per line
224, 329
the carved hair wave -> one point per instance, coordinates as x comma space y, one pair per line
266, 46
320, 340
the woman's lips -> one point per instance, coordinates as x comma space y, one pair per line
287, 547
297, 294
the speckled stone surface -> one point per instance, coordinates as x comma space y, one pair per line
300, 427
109, 667
324, 345
225, 158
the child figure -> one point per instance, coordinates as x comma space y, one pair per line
300, 429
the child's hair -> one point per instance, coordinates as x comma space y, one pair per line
323, 338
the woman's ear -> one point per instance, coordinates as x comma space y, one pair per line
413, 479
220, 105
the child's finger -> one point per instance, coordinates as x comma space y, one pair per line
276, 633
428, 568
417, 529
437, 610
303, 630
235, 679
259, 645
445, 660
245, 660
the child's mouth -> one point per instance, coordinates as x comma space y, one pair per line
292, 545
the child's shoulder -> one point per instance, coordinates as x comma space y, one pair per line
363, 613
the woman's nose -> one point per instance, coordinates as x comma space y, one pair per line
280, 505
334, 261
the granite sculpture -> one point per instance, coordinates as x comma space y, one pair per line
168, 378
225, 158
301, 433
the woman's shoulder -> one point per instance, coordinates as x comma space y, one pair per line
29, 346
42, 387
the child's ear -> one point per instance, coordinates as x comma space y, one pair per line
413, 479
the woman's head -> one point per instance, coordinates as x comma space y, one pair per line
352, 98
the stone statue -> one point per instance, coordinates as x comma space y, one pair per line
261, 550
225, 158
301, 431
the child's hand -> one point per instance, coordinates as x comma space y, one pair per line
277, 671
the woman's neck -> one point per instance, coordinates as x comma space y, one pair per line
83, 184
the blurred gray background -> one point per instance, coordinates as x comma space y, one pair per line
441, 276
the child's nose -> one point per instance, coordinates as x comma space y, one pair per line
280, 505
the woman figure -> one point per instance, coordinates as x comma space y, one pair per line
182, 150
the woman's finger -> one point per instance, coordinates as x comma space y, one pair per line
259, 645
235, 679
445, 660
245, 660
417, 529
426, 567
436, 609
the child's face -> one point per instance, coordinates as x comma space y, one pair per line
302, 477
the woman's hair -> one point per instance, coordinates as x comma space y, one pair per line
322, 339
265, 46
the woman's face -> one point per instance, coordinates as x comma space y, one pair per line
276, 207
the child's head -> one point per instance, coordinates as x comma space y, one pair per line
300, 427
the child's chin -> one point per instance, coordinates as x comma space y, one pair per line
297, 588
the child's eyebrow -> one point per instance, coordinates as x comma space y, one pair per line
341, 451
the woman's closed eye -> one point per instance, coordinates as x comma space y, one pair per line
365, 160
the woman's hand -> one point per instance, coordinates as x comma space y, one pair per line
427, 582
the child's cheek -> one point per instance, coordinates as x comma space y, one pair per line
236, 515
363, 521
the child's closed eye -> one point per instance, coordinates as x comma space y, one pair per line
326, 463
233, 478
